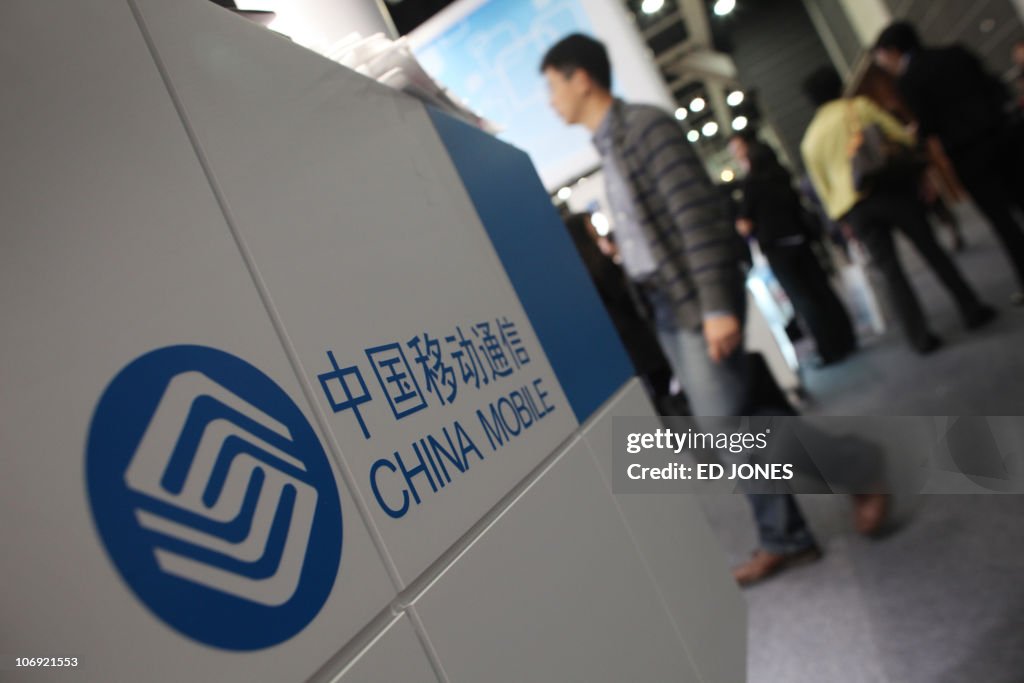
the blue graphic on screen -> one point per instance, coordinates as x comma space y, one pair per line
491, 58
214, 497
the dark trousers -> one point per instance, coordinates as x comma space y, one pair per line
874, 220
991, 172
801, 275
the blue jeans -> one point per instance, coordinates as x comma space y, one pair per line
720, 390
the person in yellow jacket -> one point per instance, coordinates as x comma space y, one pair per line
828, 149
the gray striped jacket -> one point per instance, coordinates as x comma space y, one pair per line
682, 215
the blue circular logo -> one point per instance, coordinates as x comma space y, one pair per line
214, 497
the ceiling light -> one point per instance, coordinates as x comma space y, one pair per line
723, 7
735, 98
693, 136
728, 176
697, 104
681, 113
651, 6
709, 129
739, 123
600, 223
564, 193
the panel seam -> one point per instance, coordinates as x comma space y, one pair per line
275, 318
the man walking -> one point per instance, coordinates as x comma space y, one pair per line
679, 253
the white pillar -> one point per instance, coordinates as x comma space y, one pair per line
633, 65
828, 37
1020, 8
868, 18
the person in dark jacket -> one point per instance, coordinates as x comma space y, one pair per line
956, 100
772, 213
636, 334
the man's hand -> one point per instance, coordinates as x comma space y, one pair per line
722, 334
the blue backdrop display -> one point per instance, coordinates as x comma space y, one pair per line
545, 269
214, 497
491, 60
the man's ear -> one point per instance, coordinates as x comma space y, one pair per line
581, 81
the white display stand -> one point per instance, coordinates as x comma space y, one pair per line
240, 442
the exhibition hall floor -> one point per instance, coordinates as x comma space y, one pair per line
941, 598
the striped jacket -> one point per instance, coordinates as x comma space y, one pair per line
682, 215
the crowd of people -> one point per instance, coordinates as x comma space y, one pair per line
674, 278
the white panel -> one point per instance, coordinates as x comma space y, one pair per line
553, 591
113, 246
395, 656
364, 236
682, 553
320, 24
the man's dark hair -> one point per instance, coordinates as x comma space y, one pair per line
578, 51
823, 85
900, 35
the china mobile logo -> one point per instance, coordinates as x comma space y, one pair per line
214, 497
235, 509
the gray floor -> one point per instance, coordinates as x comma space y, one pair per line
941, 599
